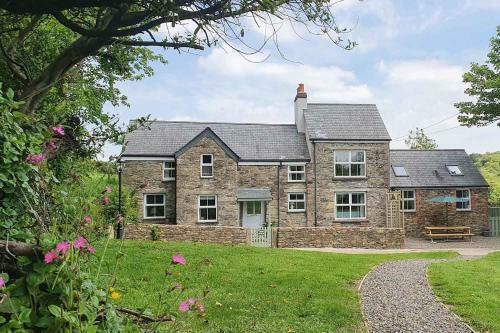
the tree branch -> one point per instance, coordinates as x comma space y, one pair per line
145, 317
48, 6
161, 44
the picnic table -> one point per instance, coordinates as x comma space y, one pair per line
448, 233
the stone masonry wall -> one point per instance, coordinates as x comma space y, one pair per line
223, 184
434, 214
143, 177
191, 233
344, 237
375, 184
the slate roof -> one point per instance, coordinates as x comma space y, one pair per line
345, 122
427, 169
251, 142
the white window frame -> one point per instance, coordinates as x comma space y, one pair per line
303, 173
145, 205
206, 164
165, 168
296, 200
414, 199
350, 204
200, 207
469, 208
349, 163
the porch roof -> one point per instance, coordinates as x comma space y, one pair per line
251, 194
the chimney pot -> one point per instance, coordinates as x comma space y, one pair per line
300, 88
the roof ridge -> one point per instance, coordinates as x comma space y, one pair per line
213, 122
342, 104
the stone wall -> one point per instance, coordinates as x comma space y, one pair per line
143, 177
223, 184
375, 184
343, 237
191, 233
434, 214
283, 237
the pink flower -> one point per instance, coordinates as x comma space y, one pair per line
2, 283
184, 307
178, 260
191, 301
35, 159
108, 189
58, 131
50, 257
105, 201
80, 243
63, 247
201, 307
51, 145
87, 219
91, 249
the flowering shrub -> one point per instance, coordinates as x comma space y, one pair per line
60, 295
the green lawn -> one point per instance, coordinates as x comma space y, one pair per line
251, 289
472, 289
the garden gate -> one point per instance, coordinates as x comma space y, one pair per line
395, 215
494, 219
262, 236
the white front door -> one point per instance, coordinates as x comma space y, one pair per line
253, 214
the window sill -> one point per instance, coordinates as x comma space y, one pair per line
464, 210
297, 211
348, 177
296, 181
168, 180
154, 218
350, 220
409, 211
207, 222
206, 177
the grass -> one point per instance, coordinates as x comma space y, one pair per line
251, 289
471, 289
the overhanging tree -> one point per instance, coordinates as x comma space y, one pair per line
98, 26
484, 88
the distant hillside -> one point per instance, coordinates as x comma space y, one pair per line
489, 165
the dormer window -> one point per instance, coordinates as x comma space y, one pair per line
169, 170
207, 165
399, 171
454, 170
296, 173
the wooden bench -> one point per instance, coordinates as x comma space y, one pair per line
448, 233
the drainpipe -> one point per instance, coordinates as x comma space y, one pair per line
175, 191
278, 199
315, 187
278, 178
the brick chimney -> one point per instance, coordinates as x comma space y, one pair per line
300, 105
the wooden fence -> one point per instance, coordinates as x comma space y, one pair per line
494, 218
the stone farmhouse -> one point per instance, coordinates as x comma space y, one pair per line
325, 177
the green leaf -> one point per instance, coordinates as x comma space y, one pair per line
55, 310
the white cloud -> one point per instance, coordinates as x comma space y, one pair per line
419, 93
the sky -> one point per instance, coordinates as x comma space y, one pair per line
409, 62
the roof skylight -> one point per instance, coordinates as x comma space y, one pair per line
454, 170
399, 171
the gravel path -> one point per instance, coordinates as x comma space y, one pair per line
397, 298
